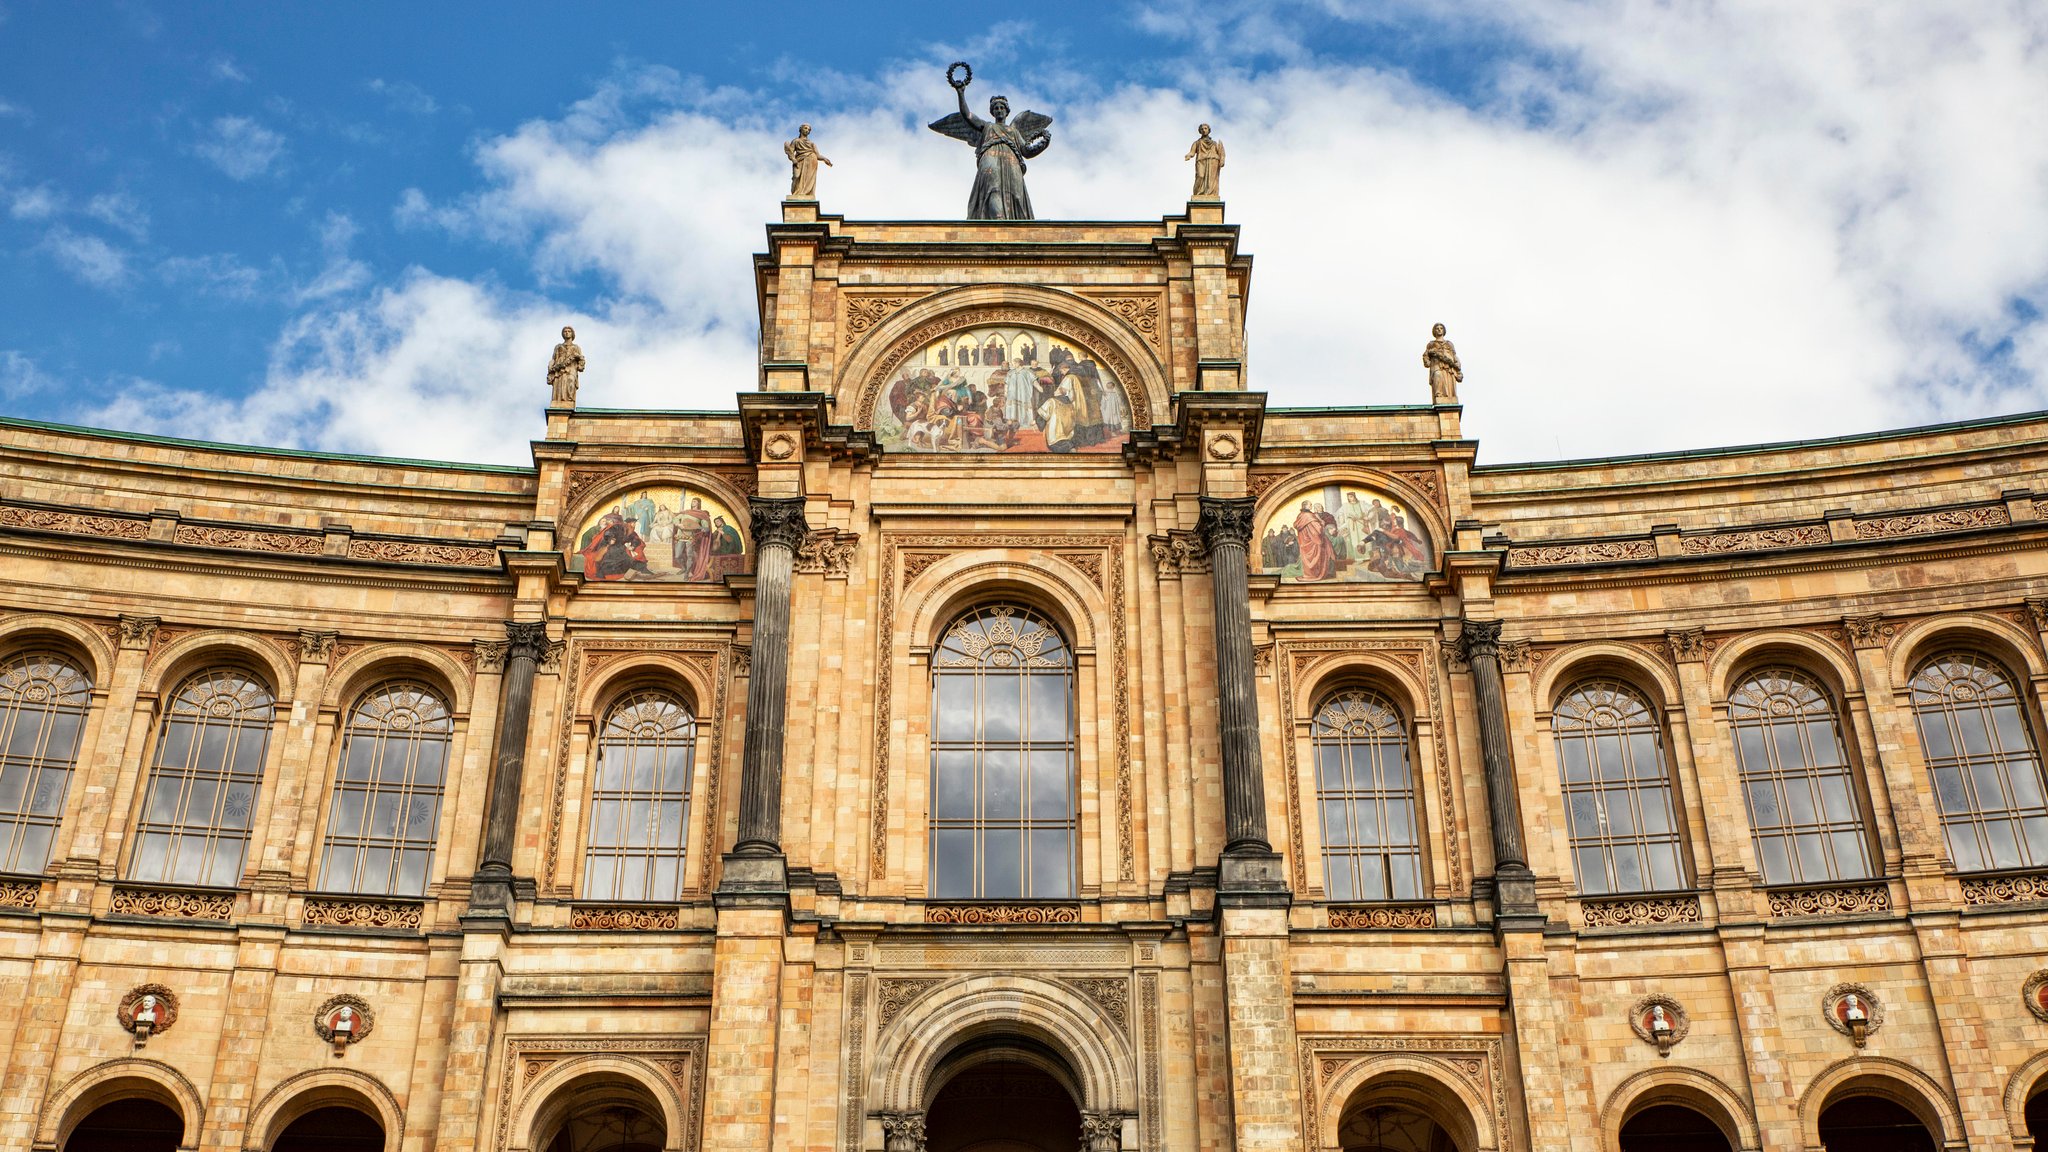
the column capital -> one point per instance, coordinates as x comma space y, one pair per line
1102, 1131
1479, 638
1225, 521
135, 631
778, 522
903, 1131
526, 638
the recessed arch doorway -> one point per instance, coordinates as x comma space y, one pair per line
1004, 1095
334, 1128
129, 1124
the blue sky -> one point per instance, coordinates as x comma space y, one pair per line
1648, 225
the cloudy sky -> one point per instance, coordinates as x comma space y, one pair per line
1648, 225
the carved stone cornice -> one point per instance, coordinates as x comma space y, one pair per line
1225, 521
778, 523
526, 638
806, 414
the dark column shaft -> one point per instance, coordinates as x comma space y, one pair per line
526, 641
1481, 643
778, 528
1226, 527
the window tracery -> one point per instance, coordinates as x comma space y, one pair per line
43, 703
1986, 767
1804, 813
384, 815
1365, 796
640, 801
204, 779
1003, 758
1620, 819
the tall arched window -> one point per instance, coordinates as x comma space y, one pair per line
43, 698
1803, 808
1621, 822
1002, 758
1987, 771
385, 813
1365, 794
640, 806
204, 780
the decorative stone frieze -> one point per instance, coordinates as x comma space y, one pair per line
1642, 911
76, 523
330, 912
344, 1020
1142, 313
1755, 539
1001, 914
418, 552
1590, 552
1835, 900
1383, 916
173, 904
1940, 520
250, 539
2011, 889
625, 918
827, 552
896, 993
861, 314
1112, 994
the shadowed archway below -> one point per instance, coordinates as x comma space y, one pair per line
1003, 1095
336, 1128
130, 1125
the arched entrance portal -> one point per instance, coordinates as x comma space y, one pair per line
2037, 1118
1391, 1128
130, 1125
1672, 1128
1003, 1095
332, 1129
601, 1113
1872, 1124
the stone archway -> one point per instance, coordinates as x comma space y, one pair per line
1001, 1095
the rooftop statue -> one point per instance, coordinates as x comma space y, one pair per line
1445, 374
1000, 150
1207, 153
565, 370
804, 159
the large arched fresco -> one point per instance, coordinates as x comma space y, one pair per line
1003, 388
1343, 532
673, 533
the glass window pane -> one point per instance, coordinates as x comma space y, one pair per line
150, 853
611, 767
1592, 868
60, 735
1049, 708
1607, 756
1835, 802
1664, 867
1656, 811
1002, 863
952, 862
2012, 731
953, 786
1749, 748
1394, 767
2036, 829
1935, 740
412, 873
953, 711
2025, 778
1404, 883
1002, 791
2002, 842
1774, 859
1976, 735
189, 865
1962, 846
1571, 752
14, 776
1051, 864
1336, 816
1949, 791
396, 755
1787, 746
1643, 756
225, 869
384, 815
1002, 716
1049, 786
1372, 877
1990, 789
1399, 814
633, 877
1330, 773
427, 760
1799, 806
1628, 868
1812, 856
1338, 882
1621, 821
1852, 856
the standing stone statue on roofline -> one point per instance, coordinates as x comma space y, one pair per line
565, 371
1207, 153
1000, 150
1445, 373
804, 159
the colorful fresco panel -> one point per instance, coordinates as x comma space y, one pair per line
660, 532
1343, 532
1003, 389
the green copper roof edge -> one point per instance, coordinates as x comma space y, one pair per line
1771, 446
685, 413
258, 450
1314, 409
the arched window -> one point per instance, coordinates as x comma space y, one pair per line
640, 806
43, 698
1621, 823
1002, 758
1365, 792
203, 782
1803, 808
386, 809
1987, 771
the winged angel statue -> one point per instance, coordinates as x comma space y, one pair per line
1000, 150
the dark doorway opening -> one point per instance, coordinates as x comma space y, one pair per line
131, 1125
1372, 1127
1672, 1128
2037, 1120
1003, 1105
1872, 1124
332, 1129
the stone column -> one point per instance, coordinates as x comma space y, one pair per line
1226, 528
1514, 887
491, 887
756, 861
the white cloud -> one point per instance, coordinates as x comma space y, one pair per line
240, 147
89, 258
219, 274
20, 376
120, 210
1658, 227
225, 68
405, 96
39, 203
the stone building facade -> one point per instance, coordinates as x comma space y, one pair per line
1002, 731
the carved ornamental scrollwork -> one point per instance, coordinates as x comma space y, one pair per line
1001, 914
19, 895
526, 638
173, 904
416, 552
1940, 520
778, 523
1755, 539
250, 539
1479, 639
490, 655
2009, 889
903, 1131
624, 918
1591, 552
1642, 911
1383, 916
1142, 313
1179, 552
894, 994
136, 632
1870, 631
1837, 900
1102, 1131
1112, 994
860, 314
78, 523
327, 912
1688, 645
